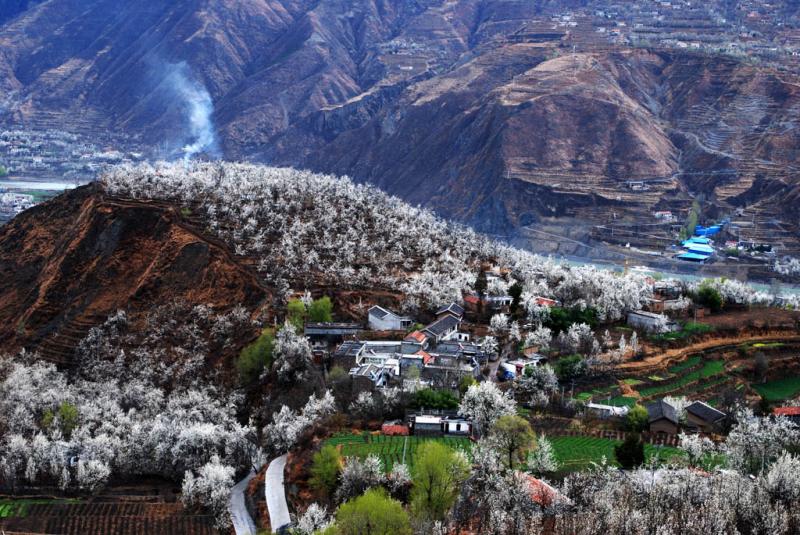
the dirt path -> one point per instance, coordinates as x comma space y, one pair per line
660, 360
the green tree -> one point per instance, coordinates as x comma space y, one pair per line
256, 357
709, 297
428, 398
513, 436
321, 310
372, 513
637, 420
466, 382
570, 367
296, 314
437, 474
67, 415
630, 454
561, 318
325, 467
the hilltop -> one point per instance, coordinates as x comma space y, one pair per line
226, 235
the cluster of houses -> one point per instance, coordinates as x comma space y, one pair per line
666, 419
439, 354
69, 157
12, 204
667, 298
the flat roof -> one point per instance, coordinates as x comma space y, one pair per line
428, 420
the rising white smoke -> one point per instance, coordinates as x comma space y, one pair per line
199, 111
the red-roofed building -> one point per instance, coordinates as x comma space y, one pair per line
427, 358
545, 301
792, 413
416, 336
394, 429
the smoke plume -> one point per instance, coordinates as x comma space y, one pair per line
199, 108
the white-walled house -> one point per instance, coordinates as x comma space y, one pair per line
381, 319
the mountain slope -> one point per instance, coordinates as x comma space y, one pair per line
483, 110
226, 235
68, 265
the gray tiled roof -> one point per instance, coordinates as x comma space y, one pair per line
441, 326
661, 409
705, 412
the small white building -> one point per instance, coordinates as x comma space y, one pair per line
651, 322
381, 319
606, 411
457, 426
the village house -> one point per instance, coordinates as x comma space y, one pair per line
792, 413
445, 328
331, 332
667, 289
414, 341
704, 418
367, 376
438, 423
663, 418
499, 302
381, 319
604, 412
452, 309
651, 322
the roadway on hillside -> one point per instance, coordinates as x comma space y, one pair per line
240, 517
662, 359
276, 495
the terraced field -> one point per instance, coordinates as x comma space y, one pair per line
578, 453
101, 518
779, 389
709, 369
391, 449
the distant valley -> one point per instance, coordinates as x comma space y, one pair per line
561, 127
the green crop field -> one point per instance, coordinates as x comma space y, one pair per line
779, 389
620, 401
632, 382
19, 508
573, 453
711, 368
390, 448
578, 453
685, 365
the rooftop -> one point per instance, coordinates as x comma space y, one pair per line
661, 409
452, 308
786, 411
705, 411
442, 325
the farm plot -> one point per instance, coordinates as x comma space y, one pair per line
578, 453
103, 518
779, 389
710, 368
390, 449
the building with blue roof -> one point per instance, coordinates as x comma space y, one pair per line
693, 257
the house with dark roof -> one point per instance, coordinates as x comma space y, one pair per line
453, 309
704, 418
651, 322
442, 329
663, 418
382, 319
